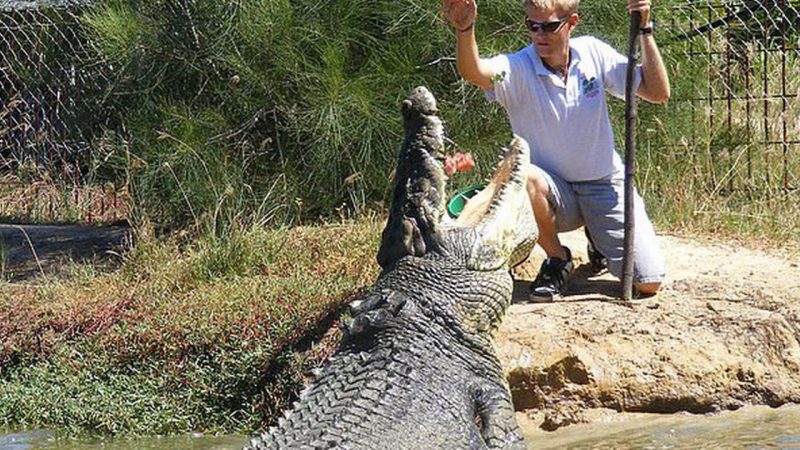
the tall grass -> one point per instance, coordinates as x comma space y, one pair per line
48, 200
288, 107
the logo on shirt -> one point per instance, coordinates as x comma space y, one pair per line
590, 87
498, 77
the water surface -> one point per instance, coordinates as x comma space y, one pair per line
749, 428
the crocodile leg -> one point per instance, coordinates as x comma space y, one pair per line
496, 413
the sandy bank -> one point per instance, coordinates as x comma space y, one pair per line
723, 333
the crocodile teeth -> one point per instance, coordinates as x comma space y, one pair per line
508, 207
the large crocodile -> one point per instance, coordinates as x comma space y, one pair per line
416, 368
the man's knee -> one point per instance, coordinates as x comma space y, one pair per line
537, 185
648, 288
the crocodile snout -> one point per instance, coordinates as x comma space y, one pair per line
420, 99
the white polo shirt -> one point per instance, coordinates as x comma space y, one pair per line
566, 126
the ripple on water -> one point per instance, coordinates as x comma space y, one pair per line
25, 440
46, 440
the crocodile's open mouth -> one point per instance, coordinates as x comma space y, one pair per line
501, 212
508, 175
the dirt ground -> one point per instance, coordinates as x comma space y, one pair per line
723, 333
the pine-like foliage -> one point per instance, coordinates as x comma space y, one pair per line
278, 110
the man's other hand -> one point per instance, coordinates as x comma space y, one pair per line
643, 6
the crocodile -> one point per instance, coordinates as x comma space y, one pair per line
416, 367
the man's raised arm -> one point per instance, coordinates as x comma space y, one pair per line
461, 15
655, 81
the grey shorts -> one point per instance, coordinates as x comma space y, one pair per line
599, 205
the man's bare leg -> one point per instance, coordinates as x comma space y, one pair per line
539, 190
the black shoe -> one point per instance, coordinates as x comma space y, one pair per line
597, 260
552, 279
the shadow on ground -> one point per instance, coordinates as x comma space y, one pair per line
584, 285
27, 251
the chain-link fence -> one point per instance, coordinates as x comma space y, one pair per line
49, 92
51, 108
736, 67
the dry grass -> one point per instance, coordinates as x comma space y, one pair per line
49, 201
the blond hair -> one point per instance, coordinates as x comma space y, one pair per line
562, 6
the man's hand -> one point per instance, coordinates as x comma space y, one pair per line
655, 81
460, 14
643, 6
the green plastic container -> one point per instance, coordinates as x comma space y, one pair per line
456, 204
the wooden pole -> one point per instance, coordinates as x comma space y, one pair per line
630, 155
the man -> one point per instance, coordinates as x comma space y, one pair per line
554, 94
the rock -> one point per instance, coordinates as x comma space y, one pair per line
563, 415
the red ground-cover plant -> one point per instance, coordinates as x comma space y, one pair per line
32, 330
290, 291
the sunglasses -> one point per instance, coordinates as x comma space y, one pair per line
547, 27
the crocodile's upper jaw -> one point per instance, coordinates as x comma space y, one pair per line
419, 193
501, 214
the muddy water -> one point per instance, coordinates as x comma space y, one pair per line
29, 440
749, 428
